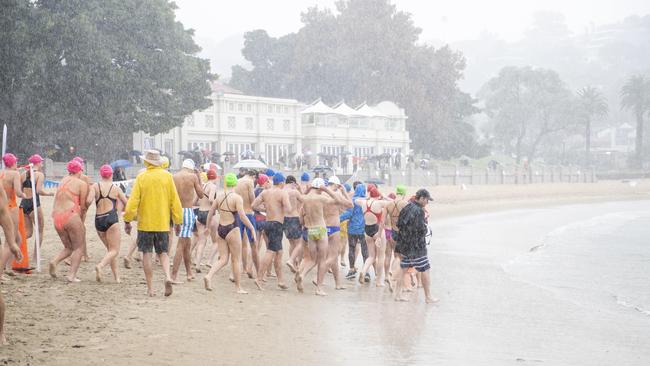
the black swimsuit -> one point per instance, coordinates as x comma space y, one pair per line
104, 221
27, 204
224, 230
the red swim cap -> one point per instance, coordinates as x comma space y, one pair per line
9, 159
374, 192
74, 167
371, 187
106, 171
262, 179
392, 196
212, 174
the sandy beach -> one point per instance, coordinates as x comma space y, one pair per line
484, 317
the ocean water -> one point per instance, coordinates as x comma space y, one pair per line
601, 262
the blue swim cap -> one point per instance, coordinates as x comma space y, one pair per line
305, 177
347, 187
270, 172
278, 178
327, 181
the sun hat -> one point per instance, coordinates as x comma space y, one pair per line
400, 190
74, 167
334, 180
262, 179
278, 178
9, 159
317, 183
189, 164
231, 180
35, 159
105, 171
152, 157
212, 174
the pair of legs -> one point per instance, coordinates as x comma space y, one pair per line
388, 259
202, 232
334, 243
296, 255
228, 248
422, 267
343, 246
29, 225
356, 241
111, 240
273, 254
148, 241
375, 258
318, 254
5, 254
72, 236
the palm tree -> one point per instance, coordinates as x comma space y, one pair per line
635, 95
592, 104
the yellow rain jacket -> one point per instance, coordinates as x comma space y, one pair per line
153, 200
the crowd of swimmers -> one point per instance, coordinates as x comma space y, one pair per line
321, 219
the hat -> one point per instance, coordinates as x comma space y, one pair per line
152, 157
74, 167
231, 180
347, 187
334, 180
423, 193
35, 159
105, 171
400, 189
270, 172
374, 192
9, 159
262, 179
212, 174
278, 178
392, 196
79, 159
371, 186
305, 177
317, 183
189, 164
165, 162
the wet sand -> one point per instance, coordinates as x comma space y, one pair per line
484, 316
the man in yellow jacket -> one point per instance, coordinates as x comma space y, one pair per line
152, 203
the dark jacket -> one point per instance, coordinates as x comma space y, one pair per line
412, 228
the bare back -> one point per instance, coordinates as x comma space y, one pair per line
107, 191
72, 192
10, 181
38, 179
313, 206
245, 188
332, 210
226, 203
186, 186
275, 201
294, 194
210, 190
393, 209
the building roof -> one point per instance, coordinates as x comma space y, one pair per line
344, 109
365, 110
318, 107
220, 88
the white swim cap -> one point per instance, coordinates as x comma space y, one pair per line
334, 180
189, 164
317, 183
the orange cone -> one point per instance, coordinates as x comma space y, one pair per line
23, 265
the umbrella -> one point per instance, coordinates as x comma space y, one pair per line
135, 153
120, 164
375, 181
321, 168
229, 153
213, 166
250, 164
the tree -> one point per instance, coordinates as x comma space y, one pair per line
96, 71
635, 95
365, 52
592, 104
527, 106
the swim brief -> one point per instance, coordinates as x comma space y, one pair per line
331, 230
316, 233
243, 228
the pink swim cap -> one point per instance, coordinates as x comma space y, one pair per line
212, 174
79, 159
35, 159
74, 167
262, 178
9, 159
106, 171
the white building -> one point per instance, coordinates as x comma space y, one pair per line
278, 130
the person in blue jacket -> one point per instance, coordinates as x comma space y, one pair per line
356, 226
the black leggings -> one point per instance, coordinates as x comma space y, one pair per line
353, 240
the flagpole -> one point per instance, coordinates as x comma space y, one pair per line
37, 245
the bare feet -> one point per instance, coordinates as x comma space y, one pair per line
242, 291
127, 263
151, 293
231, 279
258, 284
320, 292
67, 262
298, 280
362, 279
340, 287
390, 285
291, 267
401, 299
431, 300
98, 274
250, 275
168, 288
197, 269
73, 280
118, 280
52, 270
313, 282
282, 286
174, 282
190, 278
3, 340
379, 284
207, 284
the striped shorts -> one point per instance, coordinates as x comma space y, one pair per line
421, 264
189, 218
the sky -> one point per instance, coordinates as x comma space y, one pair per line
448, 21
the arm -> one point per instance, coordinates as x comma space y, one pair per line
83, 198
17, 186
121, 197
8, 226
346, 215
343, 201
197, 187
243, 217
213, 208
251, 193
175, 206
40, 177
91, 196
258, 203
286, 203
131, 209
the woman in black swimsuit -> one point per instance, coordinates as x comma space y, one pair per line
106, 197
231, 208
32, 197
373, 213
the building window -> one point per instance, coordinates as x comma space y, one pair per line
169, 147
286, 109
277, 154
249, 123
232, 123
231, 107
240, 107
278, 109
249, 107
190, 121
270, 108
269, 124
286, 124
209, 121
307, 119
366, 151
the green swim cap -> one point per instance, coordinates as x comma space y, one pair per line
231, 180
401, 190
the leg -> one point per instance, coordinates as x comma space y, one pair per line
234, 246
220, 262
264, 265
332, 259
372, 253
427, 289
112, 241
295, 255
3, 339
388, 258
187, 258
41, 226
379, 260
76, 233
322, 248
147, 257
352, 257
63, 254
277, 262
201, 241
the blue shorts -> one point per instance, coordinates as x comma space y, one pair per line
189, 218
420, 264
331, 230
305, 237
243, 228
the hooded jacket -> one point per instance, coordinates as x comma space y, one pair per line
357, 223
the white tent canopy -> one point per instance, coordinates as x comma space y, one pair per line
366, 111
345, 110
318, 108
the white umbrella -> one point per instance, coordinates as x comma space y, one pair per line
250, 164
208, 166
